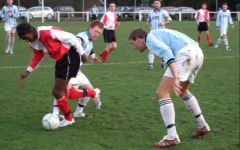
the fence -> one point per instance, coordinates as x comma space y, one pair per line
124, 16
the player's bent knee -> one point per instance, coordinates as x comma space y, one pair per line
57, 93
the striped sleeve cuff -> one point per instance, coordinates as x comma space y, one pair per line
170, 61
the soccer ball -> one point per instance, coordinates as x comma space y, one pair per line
50, 121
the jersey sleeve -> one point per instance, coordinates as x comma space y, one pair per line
167, 16
230, 18
218, 19
104, 19
68, 39
15, 12
196, 15
36, 59
160, 49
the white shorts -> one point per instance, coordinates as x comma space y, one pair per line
79, 80
223, 31
9, 27
189, 61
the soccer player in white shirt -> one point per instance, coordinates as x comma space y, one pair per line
110, 22
203, 21
184, 59
9, 15
223, 20
81, 81
157, 19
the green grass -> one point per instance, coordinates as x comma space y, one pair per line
129, 119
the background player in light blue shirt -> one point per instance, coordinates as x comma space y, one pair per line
184, 59
223, 20
9, 15
157, 19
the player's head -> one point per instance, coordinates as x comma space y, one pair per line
224, 6
112, 6
95, 29
26, 32
9, 2
204, 6
137, 38
157, 4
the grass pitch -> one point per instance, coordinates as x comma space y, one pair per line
129, 119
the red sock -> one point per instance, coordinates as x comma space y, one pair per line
76, 94
105, 54
110, 50
208, 38
199, 38
64, 107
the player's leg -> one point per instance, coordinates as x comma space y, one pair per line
199, 37
151, 57
220, 39
192, 105
8, 38
187, 77
208, 38
11, 43
167, 112
225, 40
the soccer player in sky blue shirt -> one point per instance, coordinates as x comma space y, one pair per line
184, 58
223, 20
157, 19
9, 15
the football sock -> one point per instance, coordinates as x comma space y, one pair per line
55, 107
11, 43
208, 37
150, 57
105, 54
64, 107
199, 38
225, 40
192, 105
7, 43
82, 103
168, 115
76, 94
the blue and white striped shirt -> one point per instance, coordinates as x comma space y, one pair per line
166, 43
157, 16
223, 19
11, 20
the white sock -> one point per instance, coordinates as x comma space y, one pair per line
7, 44
168, 115
150, 57
225, 40
82, 103
55, 107
11, 44
219, 41
192, 105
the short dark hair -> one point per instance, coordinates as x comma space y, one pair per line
24, 28
96, 23
137, 33
224, 4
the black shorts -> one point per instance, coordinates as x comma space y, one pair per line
109, 36
203, 26
68, 66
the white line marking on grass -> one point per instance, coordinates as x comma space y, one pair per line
112, 63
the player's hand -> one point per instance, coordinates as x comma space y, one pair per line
177, 87
162, 23
118, 23
10, 14
23, 76
197, 22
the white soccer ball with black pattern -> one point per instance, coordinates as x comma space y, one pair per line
50, 121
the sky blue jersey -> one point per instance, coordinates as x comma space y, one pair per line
157, 16
15, 14
166, 43
224, 19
